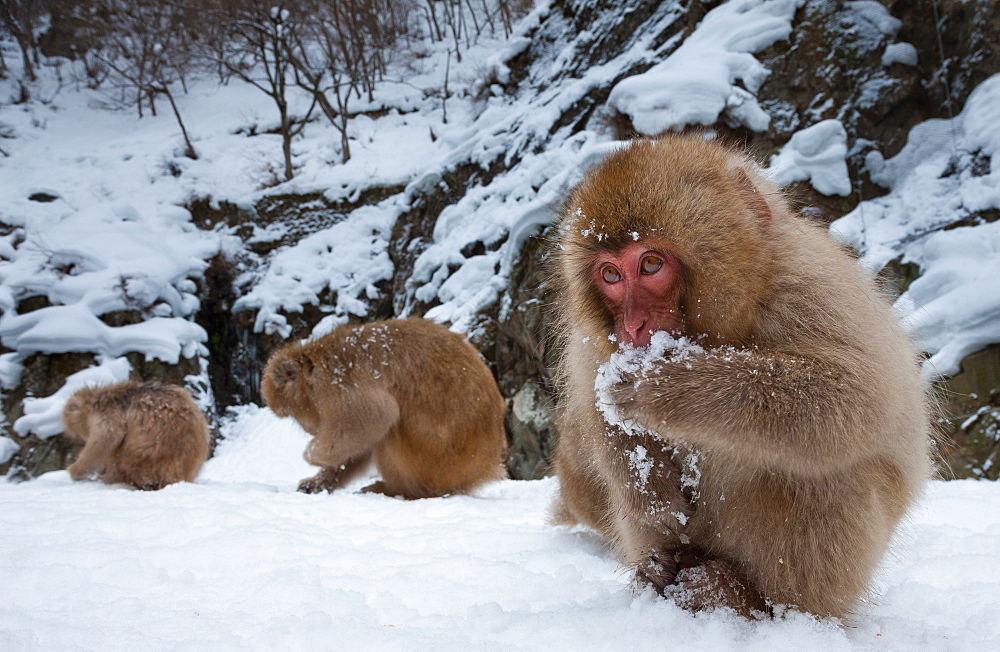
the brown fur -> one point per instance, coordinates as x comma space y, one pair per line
409, 394
805, 423
143, 434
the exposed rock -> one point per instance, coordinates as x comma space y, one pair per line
971, 420
523, 355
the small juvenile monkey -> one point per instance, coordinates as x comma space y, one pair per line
144, 434
408, 394
741, 416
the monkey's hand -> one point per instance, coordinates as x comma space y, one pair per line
78, 471
334, 477
315, 484
786, 412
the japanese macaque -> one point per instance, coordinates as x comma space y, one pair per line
143, 434
741, 416
408, 394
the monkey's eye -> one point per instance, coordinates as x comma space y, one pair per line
610, 274
651, 264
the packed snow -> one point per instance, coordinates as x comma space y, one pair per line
815, 154
238, 560
634, 364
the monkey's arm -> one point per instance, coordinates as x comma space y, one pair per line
95, 454
342, 445
785, 413
351, 425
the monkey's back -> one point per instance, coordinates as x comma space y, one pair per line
451, 411
415, 358
166, 438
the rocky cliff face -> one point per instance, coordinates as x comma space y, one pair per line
878, 68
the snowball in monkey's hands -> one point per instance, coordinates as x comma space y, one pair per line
629, 367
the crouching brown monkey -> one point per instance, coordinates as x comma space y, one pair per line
408, 394
742, 418
144, 434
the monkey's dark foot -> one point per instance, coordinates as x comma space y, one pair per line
715, 584
151, 486
379, 487
659, 569
310, 486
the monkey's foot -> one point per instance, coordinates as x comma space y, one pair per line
151, 486
411, 493
378, 487
311, 486
716, 583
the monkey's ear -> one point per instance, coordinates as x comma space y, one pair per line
285, 372
752, 197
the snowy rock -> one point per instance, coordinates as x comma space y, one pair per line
696, 84
903, 53
935, 181
815, 154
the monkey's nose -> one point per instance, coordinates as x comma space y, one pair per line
638, 336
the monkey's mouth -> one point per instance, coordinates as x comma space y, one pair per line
642, 338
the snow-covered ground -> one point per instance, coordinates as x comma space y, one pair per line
240, 561
93, 200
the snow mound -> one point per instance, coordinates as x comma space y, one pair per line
815, 154
697, 83
89, 263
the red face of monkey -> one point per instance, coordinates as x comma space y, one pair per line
641, 287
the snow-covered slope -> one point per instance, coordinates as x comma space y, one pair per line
239, 561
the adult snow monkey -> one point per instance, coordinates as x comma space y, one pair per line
144, 434
406, 394
764, 425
